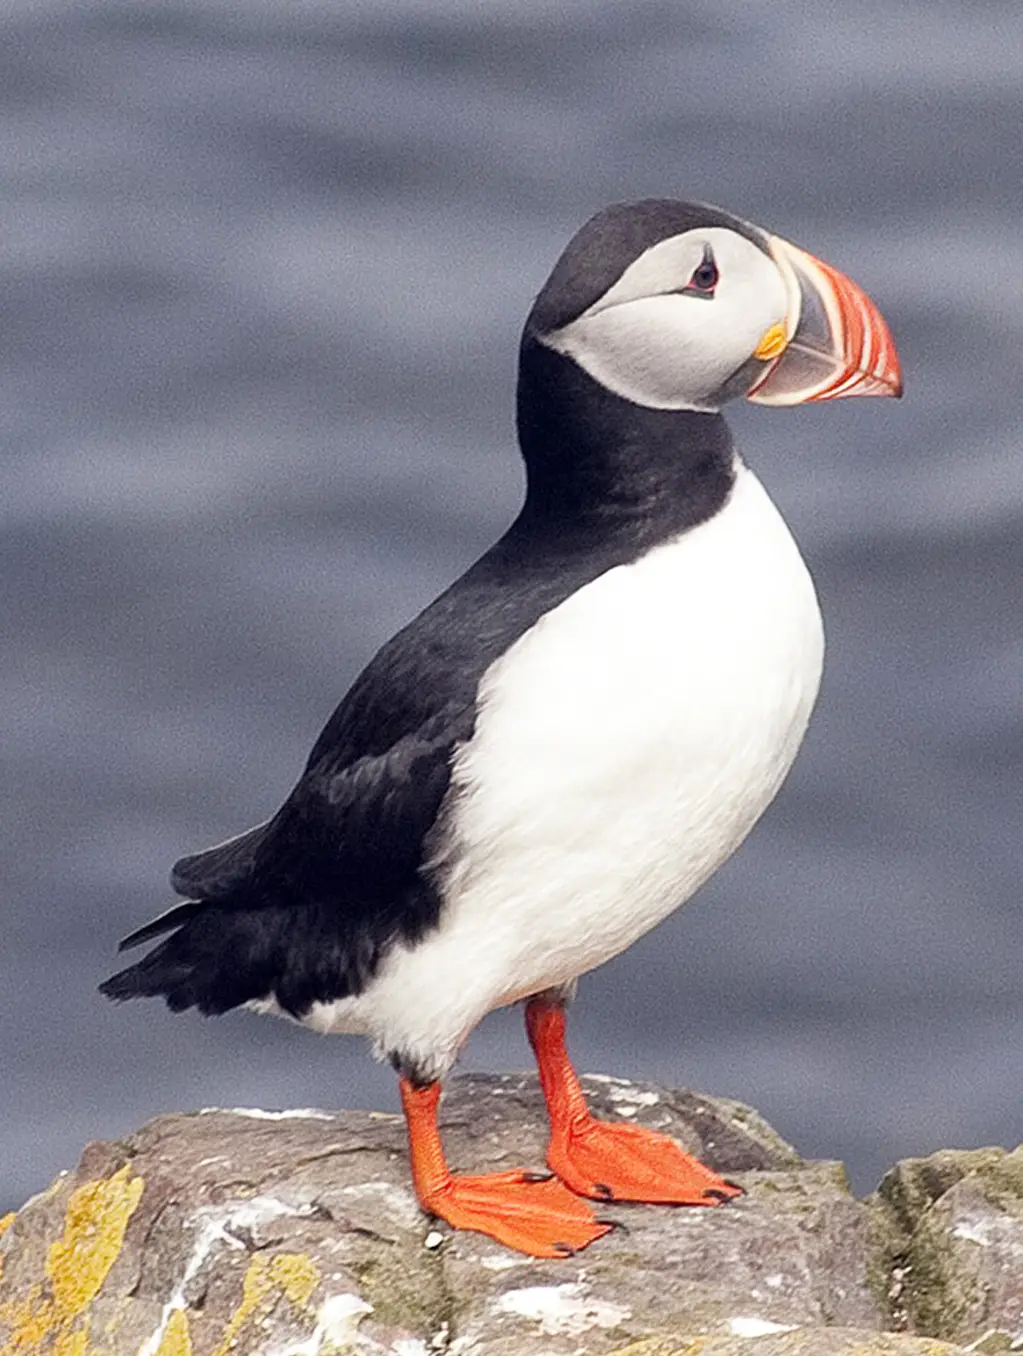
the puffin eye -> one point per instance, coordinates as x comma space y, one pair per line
705, 277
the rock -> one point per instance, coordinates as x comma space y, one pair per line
297, 1234
800, 1342
957, 1234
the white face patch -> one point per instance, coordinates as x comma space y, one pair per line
650, 342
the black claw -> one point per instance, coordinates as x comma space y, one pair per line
603, 1191
722, 1196
615, 1225
564, 1250
537, 1176
736, 1186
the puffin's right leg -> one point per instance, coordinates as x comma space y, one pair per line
610, 1161
535, 1214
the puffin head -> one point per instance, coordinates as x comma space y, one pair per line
681, 306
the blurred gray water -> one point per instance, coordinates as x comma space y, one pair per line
262, 270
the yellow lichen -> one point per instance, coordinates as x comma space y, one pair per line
74, 1343
76, 1266
28, 1321
5, 1223
297, 1276
291, 1275
97, 1216
176, 1339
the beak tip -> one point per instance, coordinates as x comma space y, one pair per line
843, 343
893, 381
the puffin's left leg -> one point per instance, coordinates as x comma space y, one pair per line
609, 1161
535, 1214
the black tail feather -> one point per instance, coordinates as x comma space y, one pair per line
161, 973
169, 919
214, 959
212, 962
222, 955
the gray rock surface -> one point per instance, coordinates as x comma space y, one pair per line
297, 1234
957, 1238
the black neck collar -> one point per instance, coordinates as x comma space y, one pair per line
597, 461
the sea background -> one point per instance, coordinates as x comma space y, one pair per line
262, 272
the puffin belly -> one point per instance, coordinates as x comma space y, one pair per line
624, 747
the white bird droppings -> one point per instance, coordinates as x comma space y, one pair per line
255, 1113
757, 1327
215, 1224
561, 1309
635, 1097
336, 1326
340, 1316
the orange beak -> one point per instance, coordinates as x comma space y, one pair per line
836, 340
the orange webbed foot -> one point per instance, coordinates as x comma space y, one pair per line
539, 1217
530, 1212
611, 1161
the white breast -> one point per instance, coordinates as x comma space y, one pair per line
624, 747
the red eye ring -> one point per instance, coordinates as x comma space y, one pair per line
704, 278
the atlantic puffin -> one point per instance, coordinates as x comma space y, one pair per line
563, 747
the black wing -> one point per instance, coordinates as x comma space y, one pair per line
218, 871
357, 833
317, 895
